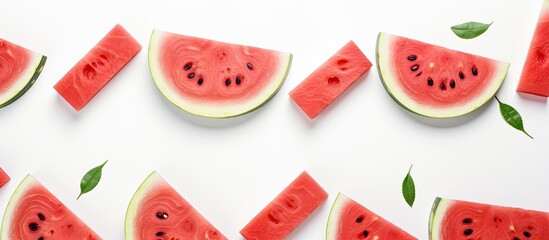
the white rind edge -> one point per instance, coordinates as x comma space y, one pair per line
28, 182
333, 218
440, 206
131, 212
24, 79
208, 110
391, 85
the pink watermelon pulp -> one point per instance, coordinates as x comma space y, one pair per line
214, 79
34, 213
286, 211
97, 67
157, 211
20, 68
534, 78
434, 81
349, 220
4, 178
330, 80
455, 220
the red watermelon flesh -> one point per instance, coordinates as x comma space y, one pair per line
97, 67
455, 220
4, 178
535, 74
35, 213
157, 211
349, 220
286, 211
330, 80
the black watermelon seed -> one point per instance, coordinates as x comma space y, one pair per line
160, 234
452, 84
41, 238
238, 80
359, 219
162, 215
419, 74
461, 75
527, 234
474, 70
191, 75
200, 81
430, 82
468, 232
415, 68
33, 226
188, 66
365, 233
250, 66
442, 86
412, 57
516, 238
227, 82
467, 221
41, 217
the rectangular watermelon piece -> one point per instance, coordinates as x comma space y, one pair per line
330, 80
4, 178
97, 67
287, 210
535, 73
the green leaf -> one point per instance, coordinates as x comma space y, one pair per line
512, 117
408, 188
91, 179
470, 30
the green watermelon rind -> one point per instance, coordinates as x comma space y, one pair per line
19, 192
26, 81
262, 99
438, 211
407, 103
131, 211
333, 217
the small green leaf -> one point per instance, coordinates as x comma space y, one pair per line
91, 179
512, 117
470, 30
409, 189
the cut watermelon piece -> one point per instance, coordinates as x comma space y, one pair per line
349, 220
20, 69
535, 73
287, 210
455, 220
4, 178
434, 81
157, 211
97, 67
215, 79
330, 80
34, 213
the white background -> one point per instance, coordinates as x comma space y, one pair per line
362, 145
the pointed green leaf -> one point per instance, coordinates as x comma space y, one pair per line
470, 30
91, 179
512, 117
409, 188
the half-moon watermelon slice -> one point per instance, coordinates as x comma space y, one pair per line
35, 213
19, 69
456, 220
349, 220
215, 79
157, 211
434, 81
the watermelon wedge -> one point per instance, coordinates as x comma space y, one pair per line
215, 79
534, 78
34, 213
330, 80
4, 178
20, 68
434, 81
97, 67
349, 220
455, 220
157, 211
286, 211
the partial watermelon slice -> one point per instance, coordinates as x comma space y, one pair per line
157, 211
287, 210
97, 67
534, 78
456, 220
4, 178
434, 81
215, 79
20, 68
35, 213
349, 220
330, 80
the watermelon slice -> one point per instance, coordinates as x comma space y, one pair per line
34, 213
434, 81
20, 69
97, 67
330, 80
534, 78
455, 220
349, 220
215, 79
287, 210
4, 178
157, 211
